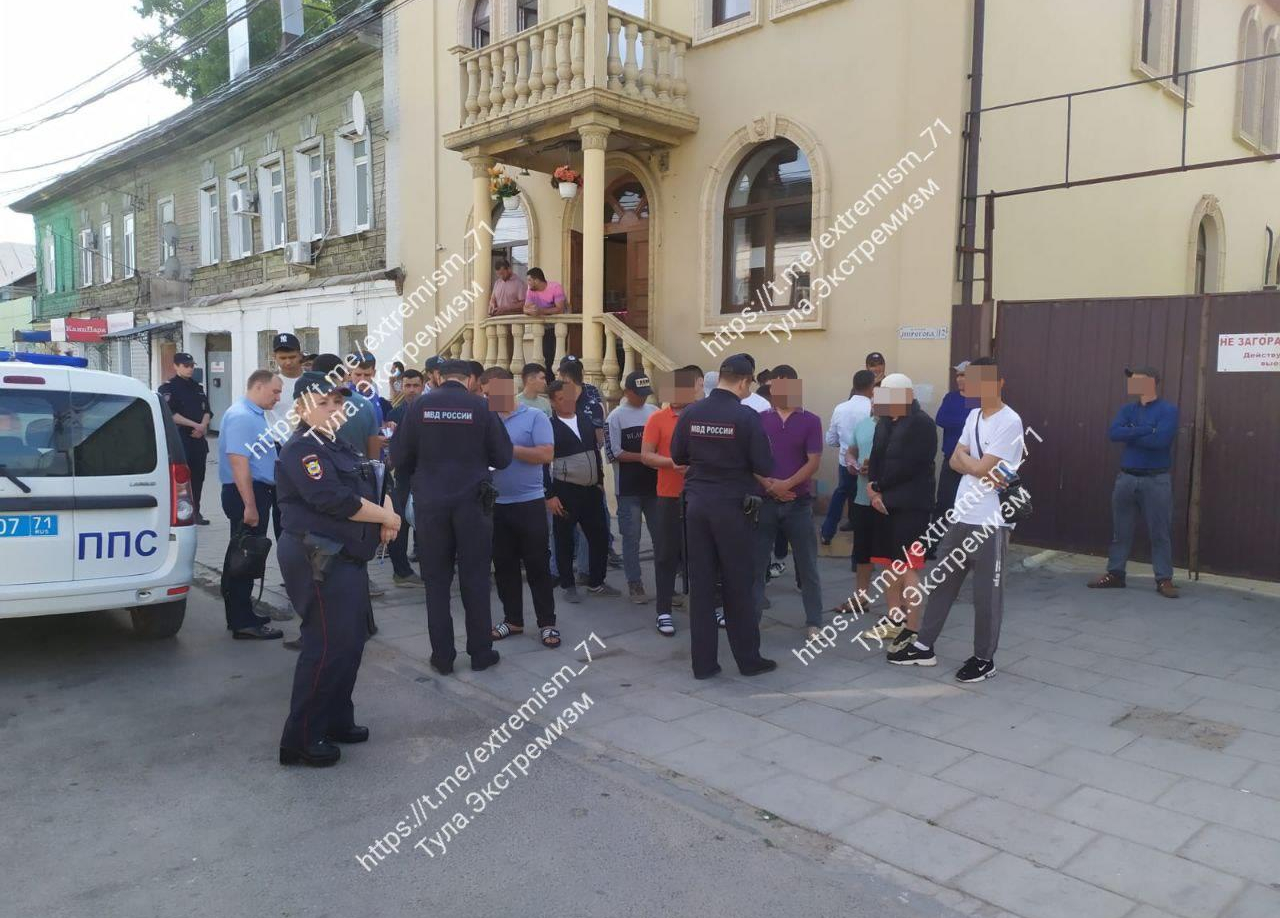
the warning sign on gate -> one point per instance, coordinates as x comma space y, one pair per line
1249, 353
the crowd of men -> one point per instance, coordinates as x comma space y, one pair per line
502, 480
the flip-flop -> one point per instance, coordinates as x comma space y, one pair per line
550, 637
505, 630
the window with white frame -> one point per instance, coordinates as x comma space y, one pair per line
355, 184
129, 251
1270, 117
210, 225
105, 253
239, 223
1256, 86
526, 14
86, 257
50, 265
310, 195
481, 24
165, 216
1166, 41
271, 204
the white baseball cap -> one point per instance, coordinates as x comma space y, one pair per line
896, 381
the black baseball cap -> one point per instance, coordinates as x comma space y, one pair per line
312, 382
874, 357
455, 367
1143, 371
568, 360
738, 365
327, 363
638, 383
182, 357
286, 342
433, 363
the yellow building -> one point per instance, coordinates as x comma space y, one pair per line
790, 172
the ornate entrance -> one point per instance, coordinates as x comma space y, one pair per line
626, 253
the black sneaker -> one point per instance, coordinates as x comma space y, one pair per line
911, 655
904, 638
975, 670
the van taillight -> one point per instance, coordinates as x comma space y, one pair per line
182, 505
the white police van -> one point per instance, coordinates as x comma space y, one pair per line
96, 507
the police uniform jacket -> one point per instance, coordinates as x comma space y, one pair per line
319, 484
446, 444
725, 446
187, 398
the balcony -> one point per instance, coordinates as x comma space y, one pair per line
592, 65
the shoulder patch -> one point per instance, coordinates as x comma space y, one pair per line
311, 464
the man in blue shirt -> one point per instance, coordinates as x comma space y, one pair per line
1147, 428
248, 475
951, 417
360, 428
520, 531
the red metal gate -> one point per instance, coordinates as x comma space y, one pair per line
1063, 363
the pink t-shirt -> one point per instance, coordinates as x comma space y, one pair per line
546, 297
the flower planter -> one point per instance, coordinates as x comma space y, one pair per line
568, 190
511, 202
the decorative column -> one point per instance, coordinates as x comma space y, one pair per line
482, 270
595, 138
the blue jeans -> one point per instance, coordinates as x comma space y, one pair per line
629, 513
1153, 496
795, 520
846, 486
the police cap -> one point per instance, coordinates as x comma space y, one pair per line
312, 382
455, 368
738, 365
184, 359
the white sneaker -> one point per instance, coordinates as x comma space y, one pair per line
666, 624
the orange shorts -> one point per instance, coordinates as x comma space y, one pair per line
914, 559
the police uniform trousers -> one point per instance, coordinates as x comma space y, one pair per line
196, 451
721, 543
334, 615
461, 530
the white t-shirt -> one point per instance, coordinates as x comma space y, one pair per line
278, 417
758, 402
1001, 435
845, 419
572, 424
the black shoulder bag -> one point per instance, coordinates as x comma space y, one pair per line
1015, 497
246, 559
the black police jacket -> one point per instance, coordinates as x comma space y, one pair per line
185, 397
901, 462
446, 444
725, 446
319, 484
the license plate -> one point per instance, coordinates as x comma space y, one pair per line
28, 524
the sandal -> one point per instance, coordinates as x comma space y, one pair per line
666, 624
505, 630
550, 637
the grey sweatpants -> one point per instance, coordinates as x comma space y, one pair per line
986, 560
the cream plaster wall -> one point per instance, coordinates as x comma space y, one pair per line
1128, 238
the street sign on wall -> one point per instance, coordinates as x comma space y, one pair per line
1249, 353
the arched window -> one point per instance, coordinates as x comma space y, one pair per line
1202, 257
1269, 118
480, 24
625, 204
1249, 109
768, 217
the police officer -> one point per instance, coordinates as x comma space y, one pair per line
328, 497
446, 445
727, 452
190, 409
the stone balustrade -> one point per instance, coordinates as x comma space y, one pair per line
594, 47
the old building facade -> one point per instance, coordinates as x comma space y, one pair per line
257, 210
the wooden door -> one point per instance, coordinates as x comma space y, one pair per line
638, 281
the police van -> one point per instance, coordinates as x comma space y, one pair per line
96, 507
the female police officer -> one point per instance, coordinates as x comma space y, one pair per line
332, 526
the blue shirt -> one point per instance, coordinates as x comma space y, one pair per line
245, 431
360, 425
864, 437
522, 481
952, 414
1147, 432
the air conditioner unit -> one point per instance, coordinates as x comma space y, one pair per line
297, 253
243, 204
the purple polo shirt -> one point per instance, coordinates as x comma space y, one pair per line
792, 441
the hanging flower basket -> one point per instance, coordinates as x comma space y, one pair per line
503, 187
567, 181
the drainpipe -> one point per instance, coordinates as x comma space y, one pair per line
1266, 268
974, 130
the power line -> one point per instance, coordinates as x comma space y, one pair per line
159, 35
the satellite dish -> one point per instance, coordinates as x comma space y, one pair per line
172, 268
357, 111
169, 233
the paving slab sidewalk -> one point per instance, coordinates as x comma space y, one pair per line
1078, 782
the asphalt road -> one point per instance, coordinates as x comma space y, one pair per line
140, 779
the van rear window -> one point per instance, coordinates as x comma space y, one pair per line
57, 434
